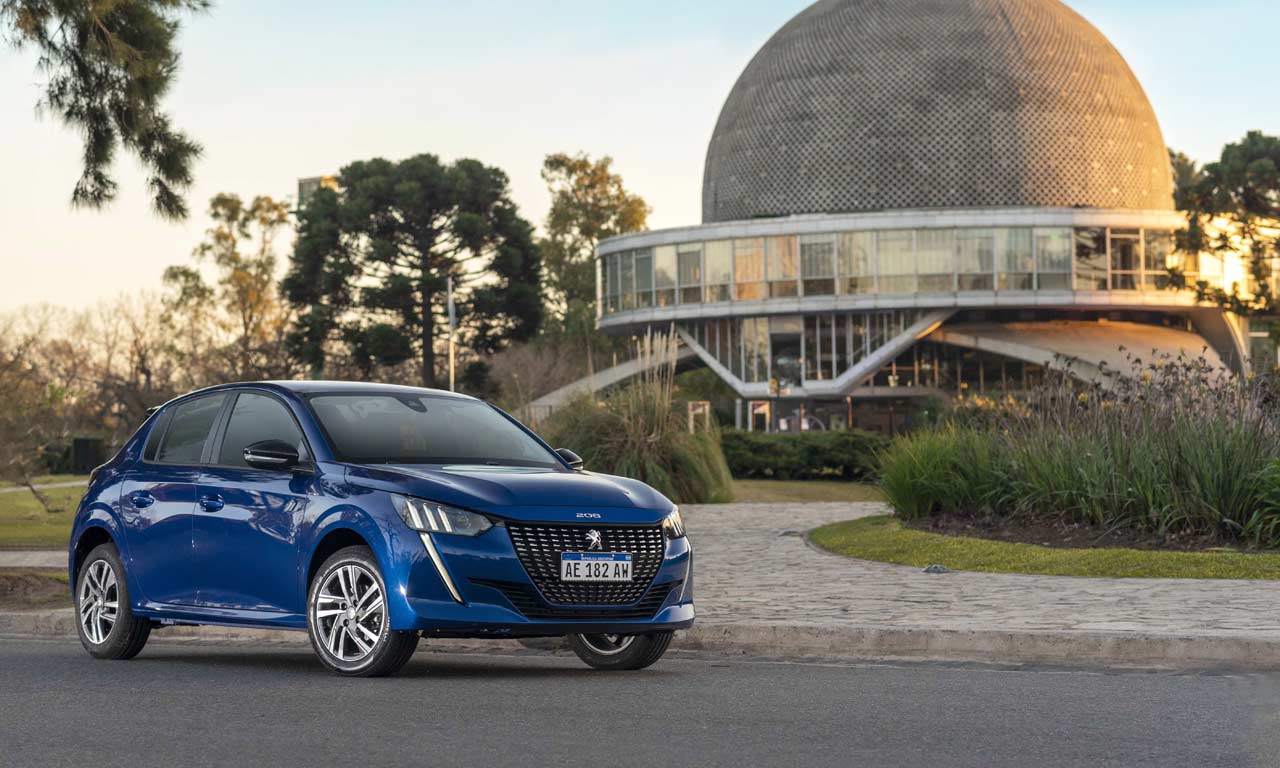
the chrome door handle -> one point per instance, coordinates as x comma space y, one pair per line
142, 500
211, 503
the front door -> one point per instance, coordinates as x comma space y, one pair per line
246, 522
158, 501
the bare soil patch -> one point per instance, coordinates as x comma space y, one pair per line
1046, 532
33, 588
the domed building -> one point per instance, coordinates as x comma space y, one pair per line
914, 199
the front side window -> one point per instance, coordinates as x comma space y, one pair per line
189, 429
255, 418
393, 428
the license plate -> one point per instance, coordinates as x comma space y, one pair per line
595, 566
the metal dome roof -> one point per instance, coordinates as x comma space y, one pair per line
865, 105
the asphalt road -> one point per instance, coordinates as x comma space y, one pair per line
184, 705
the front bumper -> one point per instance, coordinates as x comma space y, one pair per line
486, 591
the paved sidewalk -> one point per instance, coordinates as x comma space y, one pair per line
33, 558
747, 570
761, 589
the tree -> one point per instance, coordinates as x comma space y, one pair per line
109, 63
243, 304
588, 204
34, 422
370, 266
1242, 187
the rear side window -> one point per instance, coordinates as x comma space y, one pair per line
157, 432
256, 418
189, 429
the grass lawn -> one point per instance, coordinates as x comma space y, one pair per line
803, 490
46, 479
885, 539
25, 524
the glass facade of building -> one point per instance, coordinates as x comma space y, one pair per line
792, 350
901, 261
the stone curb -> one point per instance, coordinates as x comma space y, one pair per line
1129, 649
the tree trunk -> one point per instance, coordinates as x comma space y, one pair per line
428, 343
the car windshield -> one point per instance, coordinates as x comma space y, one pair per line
393, 428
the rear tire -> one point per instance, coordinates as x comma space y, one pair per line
348, 620
104, 618
620, 652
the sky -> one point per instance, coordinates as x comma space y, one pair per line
285, 89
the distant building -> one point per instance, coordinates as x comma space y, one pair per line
309, 186
918, 198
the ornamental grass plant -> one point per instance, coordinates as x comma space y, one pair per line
1174, 446
637, 431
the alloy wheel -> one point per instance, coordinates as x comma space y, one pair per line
607, 645
350, 612
99, 601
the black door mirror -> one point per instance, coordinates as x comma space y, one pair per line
572, 459
271, 454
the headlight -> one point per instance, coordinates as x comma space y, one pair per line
673, 524
429, 516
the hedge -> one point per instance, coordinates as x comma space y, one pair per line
836, 454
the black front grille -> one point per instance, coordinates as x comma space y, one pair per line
527, 601
540, 546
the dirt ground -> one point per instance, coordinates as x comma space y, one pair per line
1055, 533
29, 588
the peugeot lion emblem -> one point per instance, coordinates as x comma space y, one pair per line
594, 541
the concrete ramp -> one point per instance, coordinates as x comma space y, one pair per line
1095, 349
544, 406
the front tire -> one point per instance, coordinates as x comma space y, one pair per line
620, 652
104, 619
348, 620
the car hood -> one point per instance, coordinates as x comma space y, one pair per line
519, 492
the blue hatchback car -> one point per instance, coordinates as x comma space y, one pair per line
372, 515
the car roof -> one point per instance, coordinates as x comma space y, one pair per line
309, 387
356, 387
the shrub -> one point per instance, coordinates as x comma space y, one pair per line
949, 469
1176, 448
836, 454
636, 432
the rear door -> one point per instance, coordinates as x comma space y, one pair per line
246, 544
159, 496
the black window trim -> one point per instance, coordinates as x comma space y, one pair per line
224, 419
167, 415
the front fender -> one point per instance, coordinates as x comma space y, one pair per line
376, 521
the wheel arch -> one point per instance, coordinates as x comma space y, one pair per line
93, 535
336, 538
